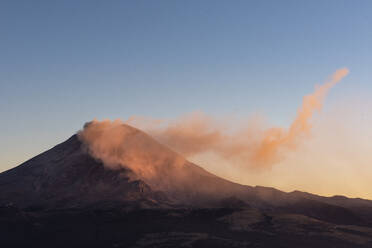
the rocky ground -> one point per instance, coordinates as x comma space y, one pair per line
220, 227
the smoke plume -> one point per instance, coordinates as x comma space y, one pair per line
268, 151
249, 146
119, 145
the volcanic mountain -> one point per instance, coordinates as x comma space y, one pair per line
69, 176
156, 196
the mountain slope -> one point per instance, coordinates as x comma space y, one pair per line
68, 176
68, 197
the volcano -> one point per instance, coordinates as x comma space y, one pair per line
75, 194
68, 176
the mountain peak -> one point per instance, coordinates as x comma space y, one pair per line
108, 163
119, 146
67, 176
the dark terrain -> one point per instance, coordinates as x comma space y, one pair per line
65, 198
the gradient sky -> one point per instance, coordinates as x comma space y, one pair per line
63, 63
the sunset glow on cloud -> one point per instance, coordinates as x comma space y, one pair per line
250, 153
249, 146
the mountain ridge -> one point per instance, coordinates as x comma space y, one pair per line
60, 167
66, 197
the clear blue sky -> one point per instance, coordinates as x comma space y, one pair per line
63, 63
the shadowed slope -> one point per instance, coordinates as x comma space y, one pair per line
67, 176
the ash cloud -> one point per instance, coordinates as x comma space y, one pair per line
119, 145
250, 146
